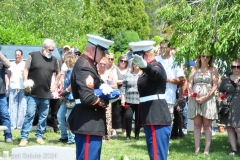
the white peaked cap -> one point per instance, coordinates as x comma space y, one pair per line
142, 46
97, 40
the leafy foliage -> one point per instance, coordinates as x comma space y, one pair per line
139, 20
121, 41
151, 7
124, 15
123, 38
18, 35
208, 27
66, 21
157, 39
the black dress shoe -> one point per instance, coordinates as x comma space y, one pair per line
137, 137
63, 140
181, 134
57, 131
173, 137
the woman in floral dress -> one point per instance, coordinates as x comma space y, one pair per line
231, 87
202, 109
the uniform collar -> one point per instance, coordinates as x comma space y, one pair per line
92, 63
154, 60
88, 59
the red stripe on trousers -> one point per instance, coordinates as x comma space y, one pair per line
154, 139
86, 147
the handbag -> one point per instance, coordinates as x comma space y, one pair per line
70, 104
224, 109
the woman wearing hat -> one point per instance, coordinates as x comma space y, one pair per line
154, 113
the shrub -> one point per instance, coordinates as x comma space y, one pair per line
157, 39
122, 39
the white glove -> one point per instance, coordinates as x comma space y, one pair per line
139, 61
106, 89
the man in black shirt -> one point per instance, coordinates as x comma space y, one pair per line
4, 114
39, 67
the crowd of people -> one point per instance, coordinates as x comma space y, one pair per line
155, 94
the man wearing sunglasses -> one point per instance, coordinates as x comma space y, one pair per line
88, 118
39, 68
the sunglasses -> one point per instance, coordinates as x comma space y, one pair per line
110, 59
50, 50
206, 56
123, 61
235, 67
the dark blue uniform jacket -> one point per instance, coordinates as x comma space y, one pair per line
86, 118
152, 82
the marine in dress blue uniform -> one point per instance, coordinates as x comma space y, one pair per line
88, 118
153, 109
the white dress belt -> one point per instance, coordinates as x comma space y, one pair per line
152, 97
78, 101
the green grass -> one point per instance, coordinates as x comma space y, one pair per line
180, 149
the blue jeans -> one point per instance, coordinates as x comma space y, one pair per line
43, 107
62, 116
185, 119
4, 116
17, 107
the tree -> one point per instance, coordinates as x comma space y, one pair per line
124, 15
139, 20
151, 8
122, 39
66, 21
204, 27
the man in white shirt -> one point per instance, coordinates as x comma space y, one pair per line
175, 75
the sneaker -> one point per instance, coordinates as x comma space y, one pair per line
185, 131
115, 135
70, 142
213, 132
40, 141
64, 140
23, 143
232, 153
9, 140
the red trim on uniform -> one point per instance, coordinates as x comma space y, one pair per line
96, 102
154, 139
86, 147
